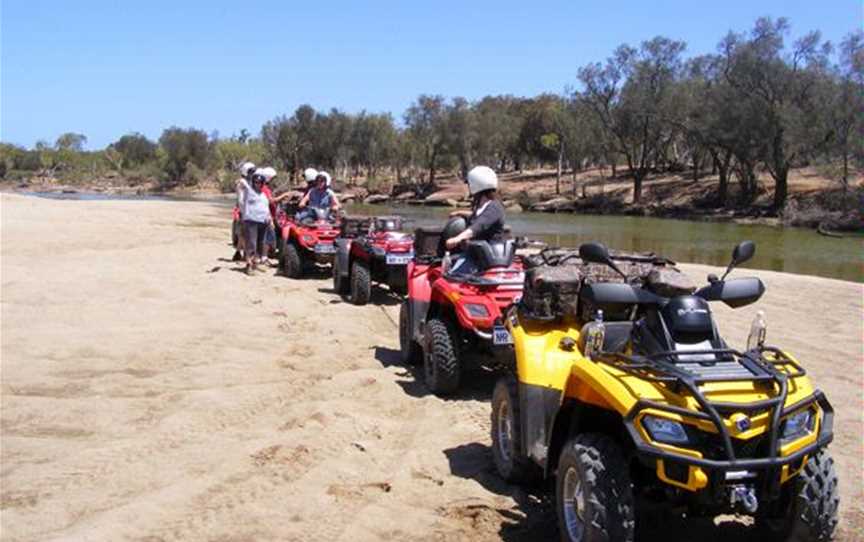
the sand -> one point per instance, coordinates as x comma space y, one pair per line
151, 392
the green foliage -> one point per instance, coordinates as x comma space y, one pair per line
134, 150
183, 149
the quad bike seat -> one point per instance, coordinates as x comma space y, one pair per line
488, 254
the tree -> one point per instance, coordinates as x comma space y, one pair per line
182, 149
461, 133
547, 131
845, 101
135, 149
782, 87
630, 94
425, 120
71, 142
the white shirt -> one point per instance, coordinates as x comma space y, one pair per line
255, 206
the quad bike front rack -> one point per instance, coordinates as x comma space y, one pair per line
762, 366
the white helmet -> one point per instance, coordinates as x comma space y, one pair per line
268, 173
482, 178
310, 174
326, 177
246, 169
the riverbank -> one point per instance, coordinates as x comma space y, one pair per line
815, 201
151, 391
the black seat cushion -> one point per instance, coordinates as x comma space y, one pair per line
488, 254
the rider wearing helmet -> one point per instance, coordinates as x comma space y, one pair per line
247, 169
309, 175
486, 222
256, 217
319, 198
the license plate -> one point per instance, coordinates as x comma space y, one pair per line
399, 259
323, 248
501, 335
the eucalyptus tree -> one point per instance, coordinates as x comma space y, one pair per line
782, 86
630, 95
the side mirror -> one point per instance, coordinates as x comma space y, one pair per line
743, 251
598, 253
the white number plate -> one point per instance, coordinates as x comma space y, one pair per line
324, 248
398, 259
501, 335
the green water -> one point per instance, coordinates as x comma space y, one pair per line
792, 250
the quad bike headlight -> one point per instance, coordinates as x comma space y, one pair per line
477, 311
665, 431
798, 424
379, 251
308, 239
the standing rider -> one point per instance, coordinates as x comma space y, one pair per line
247, 169
270, 234
319, 198
256, 218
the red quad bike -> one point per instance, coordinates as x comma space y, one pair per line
454, 319
371, 250
304, 243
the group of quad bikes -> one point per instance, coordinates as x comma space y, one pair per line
613, 378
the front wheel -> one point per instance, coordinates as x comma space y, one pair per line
512, 465
361, 283
807, 509
440, 359
594, 496
292, 263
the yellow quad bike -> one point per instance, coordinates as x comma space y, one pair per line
647, 411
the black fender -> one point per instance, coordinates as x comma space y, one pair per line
342, 259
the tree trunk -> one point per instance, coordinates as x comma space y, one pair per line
638, 176
558, 172
781, 188
432, 166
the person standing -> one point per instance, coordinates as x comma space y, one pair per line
247, 169
256, 218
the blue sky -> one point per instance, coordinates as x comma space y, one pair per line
105, 68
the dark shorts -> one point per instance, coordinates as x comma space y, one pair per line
254, 237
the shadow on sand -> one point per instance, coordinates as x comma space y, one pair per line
536, 518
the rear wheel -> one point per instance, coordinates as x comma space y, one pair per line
440, 359
408, 347
594, 494
340, 285
292, 262
361, 283
807, 509
507, 455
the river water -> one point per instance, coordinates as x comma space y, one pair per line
792, 250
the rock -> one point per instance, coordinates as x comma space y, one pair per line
376, 198
445, 197
405, 196
515, 208
554, 205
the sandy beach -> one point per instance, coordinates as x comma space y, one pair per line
150, 391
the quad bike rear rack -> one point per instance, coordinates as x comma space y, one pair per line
661, 368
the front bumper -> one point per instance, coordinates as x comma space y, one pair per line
688, 468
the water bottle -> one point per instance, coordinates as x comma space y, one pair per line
758, 329
596, 336
445, 262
